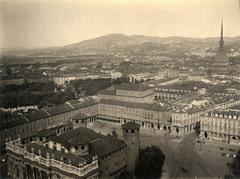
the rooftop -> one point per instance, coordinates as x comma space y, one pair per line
153, 107
55, 110
100, 145
132, 87
185, 85
108, 91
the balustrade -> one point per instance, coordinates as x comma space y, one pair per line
80, 171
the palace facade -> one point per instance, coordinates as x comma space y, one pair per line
72, 154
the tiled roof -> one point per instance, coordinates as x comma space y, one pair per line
36, 115
45, 133
105, 145
44, 113
153, 107
99, 144
62, 108
132, 87
75, 137
109, 91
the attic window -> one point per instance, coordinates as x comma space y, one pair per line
132, 131
82, 147
76, 121
76, 147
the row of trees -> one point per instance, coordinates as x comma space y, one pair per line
92, 86
234, 167
40, 94
48, 93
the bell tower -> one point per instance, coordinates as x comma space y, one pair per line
131, 137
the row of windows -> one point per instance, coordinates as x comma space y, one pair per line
29, 128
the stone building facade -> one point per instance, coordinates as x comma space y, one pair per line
77, 153
50, 117
221, 126
147, 115
185, 119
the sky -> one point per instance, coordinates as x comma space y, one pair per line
49, 23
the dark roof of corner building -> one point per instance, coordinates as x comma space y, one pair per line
131, 125
76, 137
36, 115
105, 145
62, 108
132, 87
100, 145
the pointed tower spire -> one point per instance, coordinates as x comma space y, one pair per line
221, 42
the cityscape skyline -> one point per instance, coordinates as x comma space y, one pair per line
33, 24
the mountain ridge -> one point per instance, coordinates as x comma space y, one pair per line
118, 41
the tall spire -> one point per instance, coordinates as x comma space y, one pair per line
221, 42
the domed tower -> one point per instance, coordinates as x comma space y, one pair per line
131, 137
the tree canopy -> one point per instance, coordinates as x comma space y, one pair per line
235, 165
150, 163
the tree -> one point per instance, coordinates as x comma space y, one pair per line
8, 70
150, 163
235, 165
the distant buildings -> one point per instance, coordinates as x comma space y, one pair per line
140, 77
176, 108
41, 119
137, 93
177, 91
132, 102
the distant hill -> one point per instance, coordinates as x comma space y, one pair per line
128, 44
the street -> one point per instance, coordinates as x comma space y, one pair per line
182, 157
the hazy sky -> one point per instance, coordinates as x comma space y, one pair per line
41, 23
